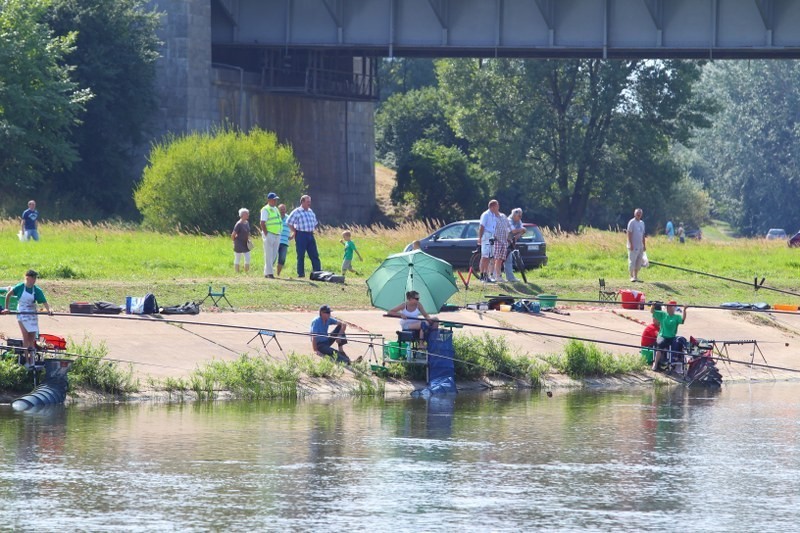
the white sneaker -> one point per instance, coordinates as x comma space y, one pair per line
633, 280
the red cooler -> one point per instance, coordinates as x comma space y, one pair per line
632, 299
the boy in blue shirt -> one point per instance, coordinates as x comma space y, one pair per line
30, 222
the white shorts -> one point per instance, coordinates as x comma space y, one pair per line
487, 249
237, 257
635, 259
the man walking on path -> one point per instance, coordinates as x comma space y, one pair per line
303, 222
486, 231
636, 244
271, 226
30, 222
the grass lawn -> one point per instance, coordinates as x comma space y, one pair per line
82, 262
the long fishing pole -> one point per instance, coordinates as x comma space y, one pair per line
9, 348
756, 285
653, 302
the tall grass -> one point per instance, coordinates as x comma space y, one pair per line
94, 373
581, 360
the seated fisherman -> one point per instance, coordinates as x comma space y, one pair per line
411, 313
322, 341
650, 333
669, 323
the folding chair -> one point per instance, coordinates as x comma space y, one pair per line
272, 337
216, 297
605, 295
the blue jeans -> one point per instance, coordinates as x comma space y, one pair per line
32, 234
305, 243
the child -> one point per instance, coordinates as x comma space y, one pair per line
349, 249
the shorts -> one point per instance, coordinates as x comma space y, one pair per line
282, 249
487, 248
347, 264
237, 257
635, 259
500, 250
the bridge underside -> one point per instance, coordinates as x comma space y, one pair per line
513, 28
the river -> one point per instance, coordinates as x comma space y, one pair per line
641, 459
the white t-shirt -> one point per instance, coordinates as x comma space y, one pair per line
636, 232
488, 221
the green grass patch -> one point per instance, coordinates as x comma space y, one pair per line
13, 376
484, 355
581, 360
95, 373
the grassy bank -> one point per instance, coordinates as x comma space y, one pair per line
82, 262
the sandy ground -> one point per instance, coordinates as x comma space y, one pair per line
174, 346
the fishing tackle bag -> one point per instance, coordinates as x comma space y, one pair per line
188, 308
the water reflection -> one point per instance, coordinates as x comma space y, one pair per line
633, 459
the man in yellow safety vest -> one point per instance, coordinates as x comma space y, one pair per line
271, 226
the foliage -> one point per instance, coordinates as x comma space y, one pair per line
192, 181
92, 371
14, 376
484, 355
404, 74
688, 203
439, 182
406, 118
115, 52
584, 360
571, 139
750, 159
39, 104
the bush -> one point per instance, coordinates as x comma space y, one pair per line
13, 376
200, 180
581, 360
92, 372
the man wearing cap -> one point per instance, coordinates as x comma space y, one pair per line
302, 221
668, 329
28, 296
322, 340
271, 226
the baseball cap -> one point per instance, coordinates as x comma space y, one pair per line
325, 309
273, 196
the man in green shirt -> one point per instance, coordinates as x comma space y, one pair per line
668, 322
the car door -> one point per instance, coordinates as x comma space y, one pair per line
445, 242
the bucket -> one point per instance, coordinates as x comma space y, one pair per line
647, 355
12, 302
504, 307
632, 299
547, 301
396, 350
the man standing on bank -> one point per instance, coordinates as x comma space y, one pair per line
271, 226
30, 222
637, 245
488, 224
302, 222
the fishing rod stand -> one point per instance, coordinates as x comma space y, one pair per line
721, 349
271, 335
369, 353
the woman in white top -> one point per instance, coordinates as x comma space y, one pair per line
410, 311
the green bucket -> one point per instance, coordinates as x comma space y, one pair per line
547, 301
12, 302
395, 350
647, 355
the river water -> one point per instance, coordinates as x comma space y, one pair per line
643, 459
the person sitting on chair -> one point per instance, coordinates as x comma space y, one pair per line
409, 313
669, 322
322, 341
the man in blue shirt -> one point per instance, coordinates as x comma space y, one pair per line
322, 341
303, 222
30, 222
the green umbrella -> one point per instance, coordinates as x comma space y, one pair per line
417, 271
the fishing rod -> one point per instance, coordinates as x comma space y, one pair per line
9, 348
756, 284
655, 302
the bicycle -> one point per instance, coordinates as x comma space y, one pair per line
517, 263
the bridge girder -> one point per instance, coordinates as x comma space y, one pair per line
533, 28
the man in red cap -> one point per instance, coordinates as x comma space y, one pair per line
669, 322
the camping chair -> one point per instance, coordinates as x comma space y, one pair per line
216, 297
271, 335
605, 295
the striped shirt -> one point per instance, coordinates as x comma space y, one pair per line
285, 230
302, 219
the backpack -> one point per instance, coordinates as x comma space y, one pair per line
149, 305
188, 308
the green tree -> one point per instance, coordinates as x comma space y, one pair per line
39, 104
115, 53
406, 118
563, 137
438, 181
403, 74
750, 159
200, 180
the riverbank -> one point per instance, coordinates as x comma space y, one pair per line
164, 350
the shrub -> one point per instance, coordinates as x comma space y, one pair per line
200, 180
581, 360
91, 371
13, 376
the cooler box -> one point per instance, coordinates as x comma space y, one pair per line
632, 299
12, 302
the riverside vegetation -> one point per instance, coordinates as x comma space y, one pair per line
119, 260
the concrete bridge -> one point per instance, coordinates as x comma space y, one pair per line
307, 69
